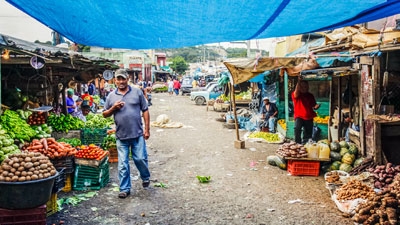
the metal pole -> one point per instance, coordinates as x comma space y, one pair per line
286, 89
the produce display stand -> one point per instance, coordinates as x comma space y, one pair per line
34, 216
66, 163
59, 181
70, 134
91, 162
113, 158
92, 136
91, 178
304, 166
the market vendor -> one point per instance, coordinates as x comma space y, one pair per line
82, 111
70, 102
269, 114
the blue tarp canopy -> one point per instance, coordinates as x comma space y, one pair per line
154, 24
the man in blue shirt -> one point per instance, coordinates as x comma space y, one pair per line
128, 105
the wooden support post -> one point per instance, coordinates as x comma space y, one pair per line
238, 143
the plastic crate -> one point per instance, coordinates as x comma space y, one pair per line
51, 205
93, 136
68, 183
91, 178
67, 163
91, 162
303, 168
113, 156
59, 181
35, 216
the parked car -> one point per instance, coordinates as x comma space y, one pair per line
213, 92
186, 86
203, 88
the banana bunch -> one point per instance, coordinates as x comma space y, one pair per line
323, 120
223, 97
282, 123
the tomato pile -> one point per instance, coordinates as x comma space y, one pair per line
90, 152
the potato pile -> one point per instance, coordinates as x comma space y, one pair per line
381, 209
26, 166
384, 174
354, 189
293, 150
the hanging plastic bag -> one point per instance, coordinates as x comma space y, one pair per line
316, 133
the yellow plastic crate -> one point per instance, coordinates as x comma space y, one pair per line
51, 205
68, 183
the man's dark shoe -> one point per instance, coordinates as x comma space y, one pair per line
123, 194
146, 183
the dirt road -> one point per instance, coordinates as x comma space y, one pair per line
244, 189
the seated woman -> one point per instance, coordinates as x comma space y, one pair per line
270, 113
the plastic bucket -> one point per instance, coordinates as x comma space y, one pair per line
27, 194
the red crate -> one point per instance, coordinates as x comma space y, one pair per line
35, 216
303, 168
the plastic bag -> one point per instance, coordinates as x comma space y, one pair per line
316, 133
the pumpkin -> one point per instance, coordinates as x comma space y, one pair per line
335, 156
348, 158
343, 144
335, 146
343, 151
358, 161
345, 167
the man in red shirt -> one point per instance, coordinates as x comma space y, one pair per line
177, 86
304, 106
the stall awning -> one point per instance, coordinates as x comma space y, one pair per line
327, 73
246, 69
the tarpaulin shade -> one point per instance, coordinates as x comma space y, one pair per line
246, 69
151, 24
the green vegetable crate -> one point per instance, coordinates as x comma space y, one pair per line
91, 178
93, 136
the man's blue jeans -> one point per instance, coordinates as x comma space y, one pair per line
137, 147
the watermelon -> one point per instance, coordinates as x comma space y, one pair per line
326, 166
343, 144
325, 141
280, 162
345, 167
336, 165
335, 156
335, 146
271, 160
353, 148
343, 151
358, 161
348, 158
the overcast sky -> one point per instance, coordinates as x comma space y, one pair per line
17, 24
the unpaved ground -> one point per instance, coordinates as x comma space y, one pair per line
244, 188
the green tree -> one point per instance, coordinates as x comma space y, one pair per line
179, 65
